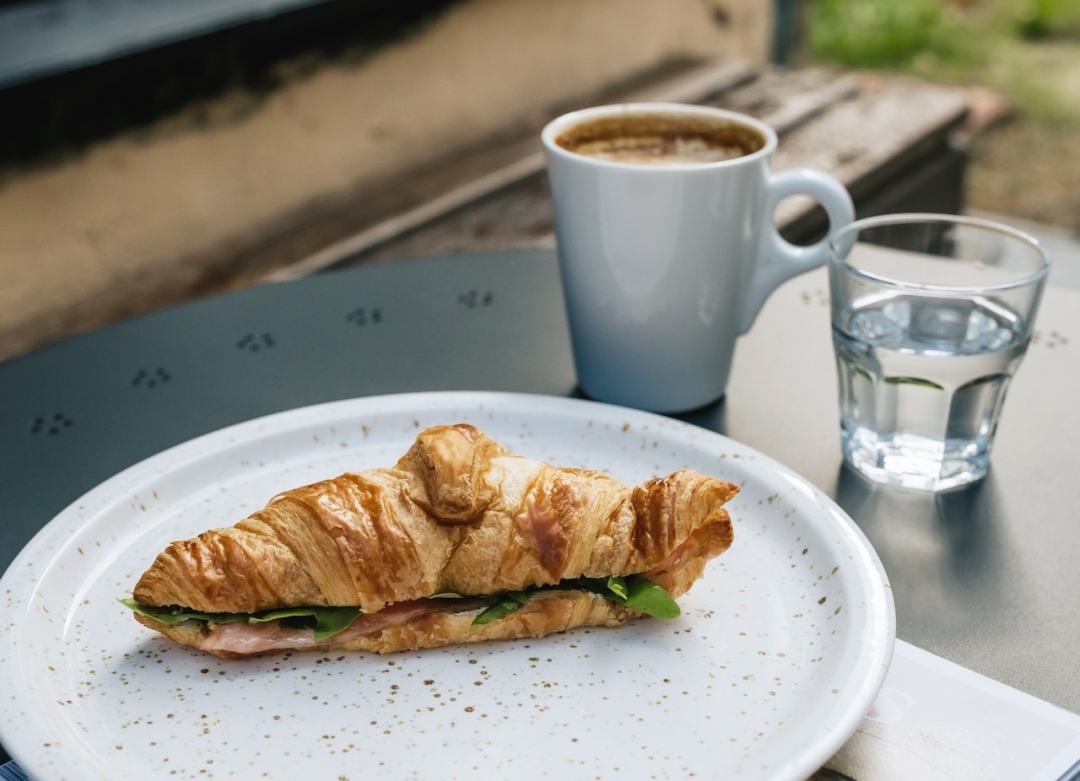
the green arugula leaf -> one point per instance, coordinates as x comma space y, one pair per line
618, 587
636, 592
650, 598
177, 615
274, 615
328, 621
507, 604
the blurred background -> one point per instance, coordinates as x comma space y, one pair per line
154, 151
1025, 53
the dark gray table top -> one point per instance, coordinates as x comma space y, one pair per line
984, 577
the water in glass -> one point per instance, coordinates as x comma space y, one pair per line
922, 382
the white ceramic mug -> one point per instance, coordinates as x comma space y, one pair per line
663, 266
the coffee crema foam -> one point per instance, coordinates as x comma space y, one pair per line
661, 139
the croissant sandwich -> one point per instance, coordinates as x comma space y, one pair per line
459, 542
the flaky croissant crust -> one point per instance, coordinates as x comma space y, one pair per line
456, 513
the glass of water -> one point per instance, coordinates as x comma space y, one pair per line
931, 316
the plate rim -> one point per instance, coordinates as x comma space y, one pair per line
879, 648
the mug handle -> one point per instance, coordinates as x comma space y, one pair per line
778, 259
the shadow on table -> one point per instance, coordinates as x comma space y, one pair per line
956, 534
712, 416
948, 555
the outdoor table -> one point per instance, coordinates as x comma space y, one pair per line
984, 577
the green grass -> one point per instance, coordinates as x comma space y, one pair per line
1028, 49
888, 34
1040, 19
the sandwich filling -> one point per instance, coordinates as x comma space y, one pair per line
307, 627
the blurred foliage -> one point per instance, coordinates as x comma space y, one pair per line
887, 34
1035, 19
1027, 49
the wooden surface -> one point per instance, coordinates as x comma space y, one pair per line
860, 128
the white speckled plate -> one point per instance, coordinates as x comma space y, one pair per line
779, 652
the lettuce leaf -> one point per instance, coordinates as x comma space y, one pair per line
618, 587
508, 603
652, 599
636, 592
327, 621
173, 615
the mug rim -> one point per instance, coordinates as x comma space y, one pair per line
561, 123
837, 255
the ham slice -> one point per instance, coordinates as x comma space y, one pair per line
244, 638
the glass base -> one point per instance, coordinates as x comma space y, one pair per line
916, 462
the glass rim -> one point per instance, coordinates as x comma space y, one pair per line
854, 228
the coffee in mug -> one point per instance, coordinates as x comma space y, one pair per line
666, 242
661, 139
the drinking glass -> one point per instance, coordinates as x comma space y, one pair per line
931, 317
